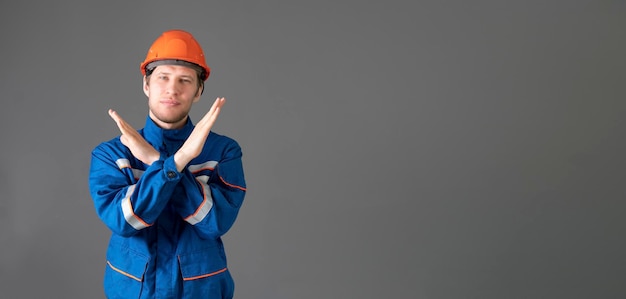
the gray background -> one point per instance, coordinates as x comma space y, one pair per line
393, 149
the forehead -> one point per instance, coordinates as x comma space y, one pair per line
178, 70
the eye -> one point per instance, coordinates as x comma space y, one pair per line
162, 77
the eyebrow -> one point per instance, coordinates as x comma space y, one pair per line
169, 74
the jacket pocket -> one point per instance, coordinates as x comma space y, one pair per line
205, 274
124, 273
202, 264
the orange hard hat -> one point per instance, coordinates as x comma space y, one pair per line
176, 45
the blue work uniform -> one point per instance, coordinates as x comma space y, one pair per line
167, 225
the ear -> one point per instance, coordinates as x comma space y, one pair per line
198, 94
146, 88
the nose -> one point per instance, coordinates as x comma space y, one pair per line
171, 88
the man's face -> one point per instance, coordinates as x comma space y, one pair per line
171, 92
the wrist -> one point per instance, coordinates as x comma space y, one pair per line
155, 158
181, 161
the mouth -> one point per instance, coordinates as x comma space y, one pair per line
169, 102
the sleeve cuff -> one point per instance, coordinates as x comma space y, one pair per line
169, 169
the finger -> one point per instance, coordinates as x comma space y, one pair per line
221, 102
117, 119
209, 117
216, 104
214, 115
113, 115
124, 127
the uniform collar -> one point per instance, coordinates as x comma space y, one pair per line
155, 134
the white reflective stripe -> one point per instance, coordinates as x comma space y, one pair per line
203, 178
122, 163
137, 173
129, 214
206, 204
206, 165
125, 163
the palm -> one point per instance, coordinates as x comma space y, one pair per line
137, 145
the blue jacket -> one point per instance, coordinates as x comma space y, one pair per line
166, 225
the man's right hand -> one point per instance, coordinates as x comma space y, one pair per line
195, 142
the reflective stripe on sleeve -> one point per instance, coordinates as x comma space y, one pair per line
206, 204
125, 163
137, 173
210, 165
127, 208
122, 163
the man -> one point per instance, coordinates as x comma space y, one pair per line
169, 191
